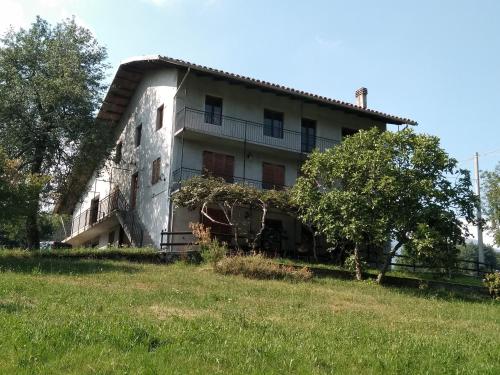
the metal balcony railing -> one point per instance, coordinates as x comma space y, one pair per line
94, 215
114, 203
183, 174
248, 131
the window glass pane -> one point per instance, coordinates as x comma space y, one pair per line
273, 124
213, 110
138, 135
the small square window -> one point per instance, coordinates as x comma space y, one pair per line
156, 171
159, 117
138, 135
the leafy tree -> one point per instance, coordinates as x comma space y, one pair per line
381, 187
18, 190
201, 193
50, 88
470, 251
491, 185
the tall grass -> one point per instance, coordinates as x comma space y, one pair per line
87, 316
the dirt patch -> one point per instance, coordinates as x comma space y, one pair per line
16, 303
163, 312
89, 282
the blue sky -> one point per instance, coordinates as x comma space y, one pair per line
437, 62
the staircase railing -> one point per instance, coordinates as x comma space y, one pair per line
115, 202
131, 221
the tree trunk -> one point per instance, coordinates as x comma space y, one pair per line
387, 262
314, 247
32, 232
262, 227
357, 262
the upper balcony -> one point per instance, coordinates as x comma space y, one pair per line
248, 131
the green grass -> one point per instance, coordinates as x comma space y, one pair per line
86, 316
454, 279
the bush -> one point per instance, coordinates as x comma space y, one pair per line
492, 281
211, 250
260, 267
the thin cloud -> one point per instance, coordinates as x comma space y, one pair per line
160, 3
327, 43
12, 15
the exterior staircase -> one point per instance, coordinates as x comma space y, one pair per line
130, 222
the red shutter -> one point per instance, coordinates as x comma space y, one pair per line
273, 176
208, 163
279, 176
218, 165
267, 173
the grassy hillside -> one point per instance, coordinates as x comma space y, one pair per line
100, 316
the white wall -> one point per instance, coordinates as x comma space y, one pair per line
155, 89
159, 87
249, 104
251, 168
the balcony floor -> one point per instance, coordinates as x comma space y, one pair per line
102, 226
222, 140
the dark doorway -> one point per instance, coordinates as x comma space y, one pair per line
213, 110
272, 236
308, 135
134, 188
94, 210
122, 238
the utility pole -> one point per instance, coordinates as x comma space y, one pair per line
479, 213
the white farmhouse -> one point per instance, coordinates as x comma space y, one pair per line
174, 120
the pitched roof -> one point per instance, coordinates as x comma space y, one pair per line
131, 71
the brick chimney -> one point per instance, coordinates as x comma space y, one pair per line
361, 94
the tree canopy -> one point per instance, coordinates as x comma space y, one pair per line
491, 185
377, 188
51, 84
17, 189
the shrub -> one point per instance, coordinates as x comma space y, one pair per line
350, 264
492, 281
259, 267
211, 250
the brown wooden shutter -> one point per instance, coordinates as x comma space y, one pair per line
155, 173
279, 176
208, 163
273, 176
267, 175
218, 165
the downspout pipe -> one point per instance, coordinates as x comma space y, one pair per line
174, 113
